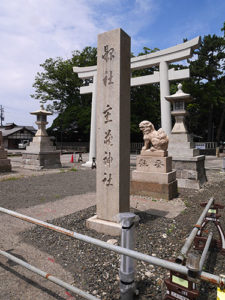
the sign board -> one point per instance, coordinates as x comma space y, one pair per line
220, 294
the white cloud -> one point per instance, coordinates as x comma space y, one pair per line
34, 30
30, 32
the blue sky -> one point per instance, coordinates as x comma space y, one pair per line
34, 30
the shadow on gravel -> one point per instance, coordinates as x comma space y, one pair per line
205, 288
143, 286
31, 282
13, 263
146, 216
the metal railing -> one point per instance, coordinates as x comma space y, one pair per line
48, 276
206, 145
72, 146
136, 147
127, 285
194, 231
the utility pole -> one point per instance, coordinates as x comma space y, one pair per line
1, 114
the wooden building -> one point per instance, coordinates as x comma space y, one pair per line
14, 134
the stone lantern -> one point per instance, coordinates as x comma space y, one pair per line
187, 162
41, 153
41, 120
178, 100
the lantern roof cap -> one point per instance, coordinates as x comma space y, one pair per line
41, 111
179, 95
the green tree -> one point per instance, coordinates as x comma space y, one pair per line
59, 86
207, 87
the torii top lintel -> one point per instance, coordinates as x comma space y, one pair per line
172, 54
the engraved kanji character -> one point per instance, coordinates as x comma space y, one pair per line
143, 163
108, 180
107, 159
107, 113
158, 163
108, 79
108, 55
108, 137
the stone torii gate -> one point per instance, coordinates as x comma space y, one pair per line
164, 76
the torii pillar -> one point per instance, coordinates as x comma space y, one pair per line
165, 91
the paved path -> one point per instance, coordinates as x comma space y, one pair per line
14, 277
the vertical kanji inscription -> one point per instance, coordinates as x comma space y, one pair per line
113, 124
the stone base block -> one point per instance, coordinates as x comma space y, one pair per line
154, 164
38, 161
160, 153
179, 138
161, 178
188, 184
5, 165
176, 150
102, 226
181, 145
40, 144
3, 154
190, 171
156, 190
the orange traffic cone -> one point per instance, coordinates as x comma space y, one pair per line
71, 160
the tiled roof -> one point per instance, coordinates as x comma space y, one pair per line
7, 132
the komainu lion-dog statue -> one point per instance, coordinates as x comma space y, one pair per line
153, 140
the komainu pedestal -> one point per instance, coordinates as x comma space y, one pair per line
5, 164
154, 176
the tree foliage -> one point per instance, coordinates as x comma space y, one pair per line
207, 87
59, 86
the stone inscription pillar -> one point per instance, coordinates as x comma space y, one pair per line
165, 91
113, 124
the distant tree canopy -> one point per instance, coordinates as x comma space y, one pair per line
58, 85
207, 86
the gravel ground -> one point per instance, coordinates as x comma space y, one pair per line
34, 190
96, 270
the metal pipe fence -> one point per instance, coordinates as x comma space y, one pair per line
194, 231
48, 276
206, 248
205, 276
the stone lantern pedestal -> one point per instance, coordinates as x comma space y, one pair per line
189, 165
5, 164
41, 154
